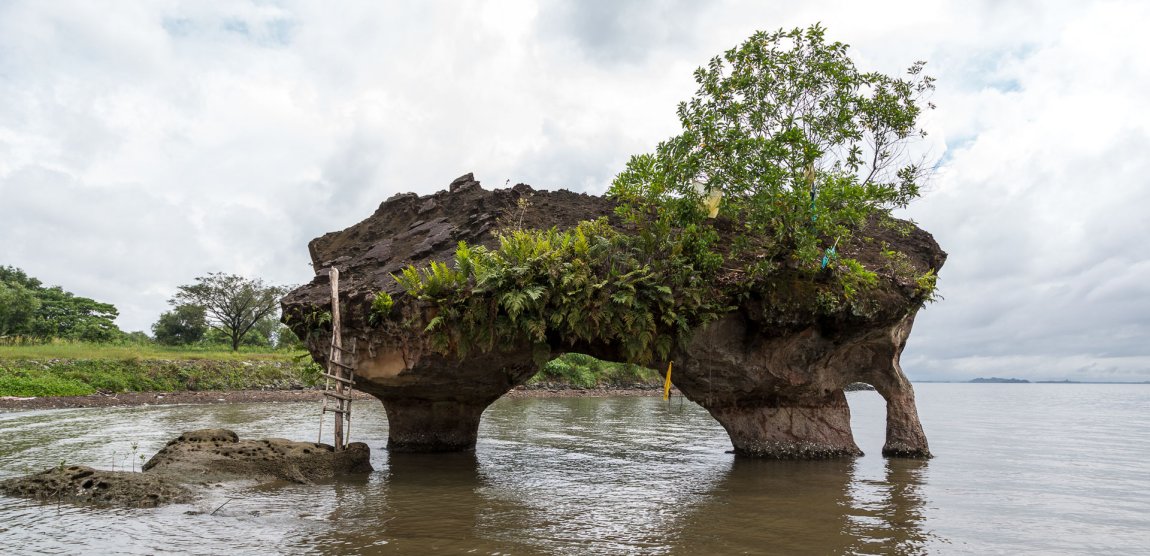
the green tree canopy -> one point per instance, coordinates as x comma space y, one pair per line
184, 324
785, 139
18, 304
234, 305
31, 310
790, 139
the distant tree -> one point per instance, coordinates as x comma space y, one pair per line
183, 325
137, 337
286, 339
13, 275
234, 305
29, 309
17, 306
261, 335
64, 315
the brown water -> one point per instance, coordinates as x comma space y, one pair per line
1035, 469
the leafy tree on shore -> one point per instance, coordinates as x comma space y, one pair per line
64, 315
30, 310
17, 306
184, 324
233, 305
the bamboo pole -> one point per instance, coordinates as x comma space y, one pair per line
333, 366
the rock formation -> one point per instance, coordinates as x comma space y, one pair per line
212, 455
771, 371
194, 458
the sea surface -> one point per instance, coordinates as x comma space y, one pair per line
1018, 469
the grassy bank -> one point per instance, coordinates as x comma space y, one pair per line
583, 371
79, 377
78, 369
82, 350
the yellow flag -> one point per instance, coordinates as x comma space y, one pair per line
667, 383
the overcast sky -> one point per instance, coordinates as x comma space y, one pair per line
143, 144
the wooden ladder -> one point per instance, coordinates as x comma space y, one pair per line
339, 376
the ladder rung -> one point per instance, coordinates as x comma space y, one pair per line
331, 394
336, 410
344, 365
343, 349
339, 378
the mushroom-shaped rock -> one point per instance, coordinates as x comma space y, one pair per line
771, 368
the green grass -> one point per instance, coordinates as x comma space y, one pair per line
584, 371
71, 377
76, 369
82, 350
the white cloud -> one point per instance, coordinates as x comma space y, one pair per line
143, 144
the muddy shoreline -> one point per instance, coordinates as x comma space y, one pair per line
9, 404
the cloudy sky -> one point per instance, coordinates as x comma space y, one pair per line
145, 143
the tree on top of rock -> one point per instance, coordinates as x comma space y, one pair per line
787, 136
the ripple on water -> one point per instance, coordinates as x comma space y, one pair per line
1058, 470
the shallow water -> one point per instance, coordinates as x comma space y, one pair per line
1037, 469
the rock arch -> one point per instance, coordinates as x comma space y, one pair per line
777, 388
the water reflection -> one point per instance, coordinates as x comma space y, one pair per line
887, 515
821, 507
421, 503
577, 476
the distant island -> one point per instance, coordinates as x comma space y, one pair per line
996, 380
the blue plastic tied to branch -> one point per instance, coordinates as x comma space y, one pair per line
830, 252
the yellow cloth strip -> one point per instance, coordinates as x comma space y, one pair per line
667, 383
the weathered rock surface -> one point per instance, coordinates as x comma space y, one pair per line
772, 371
213, 455
195, 458
77, 484
433, 403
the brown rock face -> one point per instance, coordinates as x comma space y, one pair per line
770, 371
218, 454
433, 402
79, 484
194, 458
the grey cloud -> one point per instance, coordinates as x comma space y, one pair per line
145, 145
614, 32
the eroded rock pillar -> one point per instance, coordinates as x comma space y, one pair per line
775, 394
421, 425
434, 402
904, 435
809, 431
